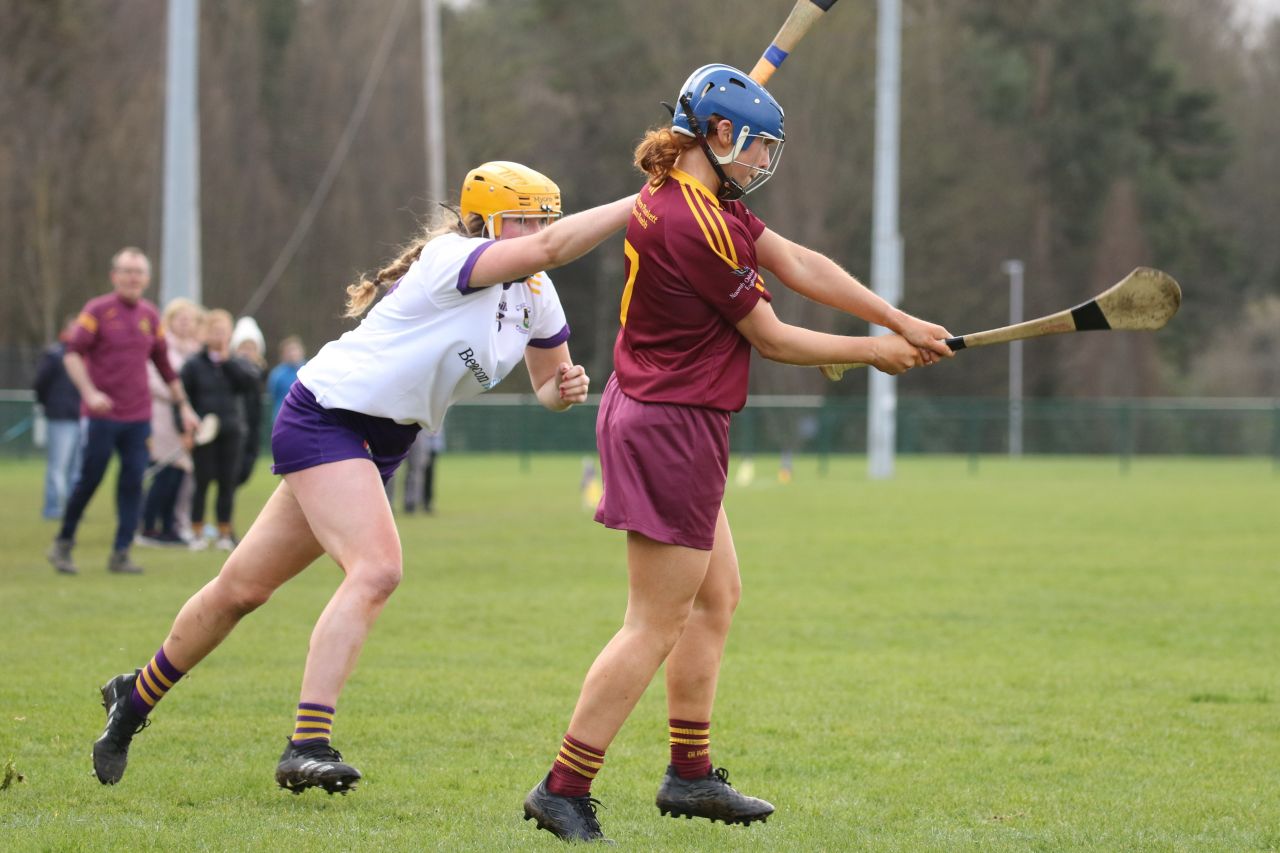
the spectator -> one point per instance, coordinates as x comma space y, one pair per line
60, 401
420, 476
292, 356
216, 382
114, 337
181, 322
247, 342
185, 334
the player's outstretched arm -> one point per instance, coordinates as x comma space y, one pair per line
554, 246
814, 275
557, 381
779, 341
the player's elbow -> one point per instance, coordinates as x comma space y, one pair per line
769, 343
552, 248
763, 331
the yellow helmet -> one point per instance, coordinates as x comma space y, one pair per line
500, 187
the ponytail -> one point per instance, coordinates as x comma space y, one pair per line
657, 152
363, 292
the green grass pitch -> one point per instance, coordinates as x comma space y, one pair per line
1047, 655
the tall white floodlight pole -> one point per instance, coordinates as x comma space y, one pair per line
434, 106
1014, 270
886, 242
180, 232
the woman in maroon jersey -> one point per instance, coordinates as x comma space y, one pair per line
693, 307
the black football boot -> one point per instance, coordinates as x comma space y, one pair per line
709, 796
315, 764
567, 818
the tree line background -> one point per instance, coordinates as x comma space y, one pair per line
1084, 137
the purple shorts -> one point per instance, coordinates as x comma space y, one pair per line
664, 468
306, 434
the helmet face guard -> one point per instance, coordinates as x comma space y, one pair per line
730, 189
721, 91
493, 222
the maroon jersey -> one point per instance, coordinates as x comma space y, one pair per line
691, 275
115, 338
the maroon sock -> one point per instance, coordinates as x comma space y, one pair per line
574, 768
690, 748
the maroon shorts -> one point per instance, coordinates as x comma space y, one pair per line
664, 468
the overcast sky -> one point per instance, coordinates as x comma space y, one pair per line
1264, 8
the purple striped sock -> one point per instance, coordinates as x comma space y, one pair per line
153, 682
313, 724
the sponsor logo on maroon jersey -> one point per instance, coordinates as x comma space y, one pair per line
748, 277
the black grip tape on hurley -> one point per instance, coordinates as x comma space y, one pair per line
955, 344
1089, 317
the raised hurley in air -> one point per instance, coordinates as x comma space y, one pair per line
694, 304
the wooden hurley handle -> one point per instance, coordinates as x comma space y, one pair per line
802, 18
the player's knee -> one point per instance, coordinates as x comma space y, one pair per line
717, 606
243, 597
378, 579
662, 628
732, 595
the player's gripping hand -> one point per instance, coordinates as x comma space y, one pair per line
574, 383
894, 354
929, 338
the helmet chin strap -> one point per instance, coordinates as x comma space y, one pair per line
730, 190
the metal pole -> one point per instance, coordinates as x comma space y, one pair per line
180, 231
434, 100
886, 242
1014, 270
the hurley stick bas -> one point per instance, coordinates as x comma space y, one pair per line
1145, 299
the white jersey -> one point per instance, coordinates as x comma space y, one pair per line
433, 340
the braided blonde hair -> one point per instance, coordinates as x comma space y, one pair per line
362, 293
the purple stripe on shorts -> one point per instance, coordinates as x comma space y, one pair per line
554, 341
464, 276
306, 435
664, 468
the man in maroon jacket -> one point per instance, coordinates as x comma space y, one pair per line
106, 358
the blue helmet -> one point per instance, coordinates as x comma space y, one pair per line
724, 91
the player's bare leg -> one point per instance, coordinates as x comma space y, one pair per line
277, 546
691, 788
347, 508
693, 666
663, 583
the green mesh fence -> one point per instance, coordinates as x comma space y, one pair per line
516, 424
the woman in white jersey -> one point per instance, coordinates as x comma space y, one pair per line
465, 303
